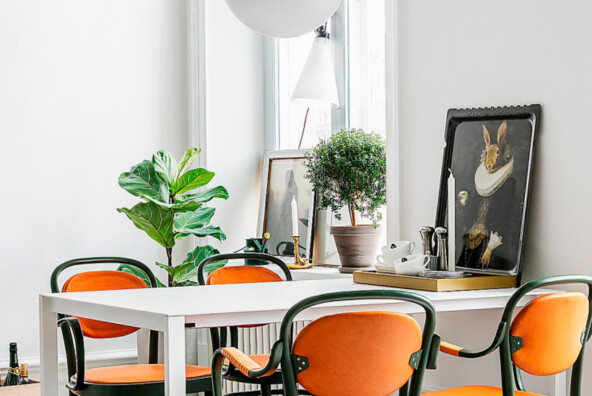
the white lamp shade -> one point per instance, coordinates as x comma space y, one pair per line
316, 86
283, 18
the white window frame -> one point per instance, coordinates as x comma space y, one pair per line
340, 117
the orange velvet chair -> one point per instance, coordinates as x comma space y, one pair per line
545, 338
219, 336
348, 354
130, 380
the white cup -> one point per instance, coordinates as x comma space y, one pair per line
411, 265
395, 251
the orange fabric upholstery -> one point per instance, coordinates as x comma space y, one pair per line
137, 374
476, 391
361, 353
246, 363
103, 280
450, 349
243, 274
551, 328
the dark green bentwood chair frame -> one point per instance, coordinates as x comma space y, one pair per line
508, 345
282, 349
74, 344
219, 336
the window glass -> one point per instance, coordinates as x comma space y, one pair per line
292, 54
367, 69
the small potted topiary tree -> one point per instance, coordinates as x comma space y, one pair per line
349, 170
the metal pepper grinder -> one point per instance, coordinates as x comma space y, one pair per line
442, 241
427, 240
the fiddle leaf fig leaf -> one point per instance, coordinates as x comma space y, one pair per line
188, 159
186, 222
188, 270
154, 220
130, 269
176, 207
142, 180
169, 270
191, 180
165, 166
206, 195
214, 232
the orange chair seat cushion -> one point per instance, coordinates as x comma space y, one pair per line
245, 363
551, 329
360, 353
137, 374
476, 390
103, 280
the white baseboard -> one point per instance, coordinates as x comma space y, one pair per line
93, 360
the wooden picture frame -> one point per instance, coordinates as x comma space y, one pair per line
492, 185
277, 190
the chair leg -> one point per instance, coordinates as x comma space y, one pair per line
265, 390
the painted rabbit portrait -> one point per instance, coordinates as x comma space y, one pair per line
496, 155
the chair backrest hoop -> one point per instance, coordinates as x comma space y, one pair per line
99, 260
546, 334
55, 288
243, 255
290, 370
508, 367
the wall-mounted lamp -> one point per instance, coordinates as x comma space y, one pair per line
317, 86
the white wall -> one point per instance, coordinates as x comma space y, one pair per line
87, 90
465, 53
234, 118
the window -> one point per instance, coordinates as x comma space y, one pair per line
367, 69
362, 77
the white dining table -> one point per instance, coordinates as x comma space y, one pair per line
169, 309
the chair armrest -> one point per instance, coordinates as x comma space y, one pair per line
74, 343
450, 349
248, 366
459, 351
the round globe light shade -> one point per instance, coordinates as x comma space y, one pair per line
283, 18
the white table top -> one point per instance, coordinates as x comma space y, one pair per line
206, 305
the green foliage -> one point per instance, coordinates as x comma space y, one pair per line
171, 211
349, 170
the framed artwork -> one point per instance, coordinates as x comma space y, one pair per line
490, 152
282, 181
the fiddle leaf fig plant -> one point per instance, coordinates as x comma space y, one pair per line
171, 210
349, 170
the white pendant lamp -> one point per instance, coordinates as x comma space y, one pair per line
283, 18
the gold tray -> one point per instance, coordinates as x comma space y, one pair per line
474, 282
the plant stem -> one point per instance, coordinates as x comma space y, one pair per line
169, 252
352, 213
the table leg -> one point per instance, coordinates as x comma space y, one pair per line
174, 357
49, 348
560, 384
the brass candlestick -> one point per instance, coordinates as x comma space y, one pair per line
299, 262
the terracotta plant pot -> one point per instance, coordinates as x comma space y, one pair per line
356, 246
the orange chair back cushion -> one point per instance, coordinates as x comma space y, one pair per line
243, 274
362, 353
103, 280
551, 328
